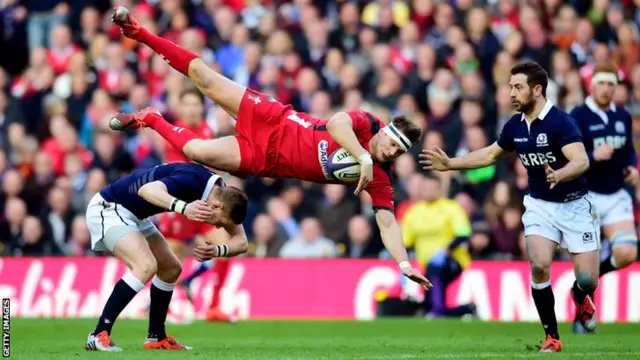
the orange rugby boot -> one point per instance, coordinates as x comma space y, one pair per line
586, 313
551, 345
124, 121
125, 20
215, 315
101, 342
169, 343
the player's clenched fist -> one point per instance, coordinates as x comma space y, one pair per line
603, 153
435, 159
198, 211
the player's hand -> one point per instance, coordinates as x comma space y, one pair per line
552, 175
435, 159
204, 252
415, 276
632, 176
603, 153
198, 211
366, 175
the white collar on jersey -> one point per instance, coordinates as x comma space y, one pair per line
591, 104
545, 110
213, 180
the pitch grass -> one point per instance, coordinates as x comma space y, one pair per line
382, 339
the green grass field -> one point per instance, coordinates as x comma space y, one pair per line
382, 339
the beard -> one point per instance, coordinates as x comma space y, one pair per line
525, 106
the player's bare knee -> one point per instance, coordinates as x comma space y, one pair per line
624, 255
145, 268
540, 271
170, 270
192, 150
587, 281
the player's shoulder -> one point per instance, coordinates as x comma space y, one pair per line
513, 121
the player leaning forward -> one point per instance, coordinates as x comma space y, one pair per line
606, 130
117, 218
275, 141
558, 209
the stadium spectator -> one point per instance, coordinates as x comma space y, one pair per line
310, 243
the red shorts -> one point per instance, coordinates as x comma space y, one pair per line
258, 132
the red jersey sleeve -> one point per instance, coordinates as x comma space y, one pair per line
380, 188
361, 120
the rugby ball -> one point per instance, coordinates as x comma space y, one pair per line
344, 167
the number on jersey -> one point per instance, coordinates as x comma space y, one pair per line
295, 118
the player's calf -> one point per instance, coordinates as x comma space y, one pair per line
586, 283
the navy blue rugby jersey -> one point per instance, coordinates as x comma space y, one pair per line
542, 141
186, 181
612, 127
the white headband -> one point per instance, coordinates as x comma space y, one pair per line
397, 136
605, 77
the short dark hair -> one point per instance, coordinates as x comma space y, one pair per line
235, 201
410, 129
535, 74
192, 91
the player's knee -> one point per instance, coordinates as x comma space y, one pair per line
145, 268
587, 282
624, 255
170, 271
190, 149
540, 271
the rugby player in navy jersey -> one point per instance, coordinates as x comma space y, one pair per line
117, 218
559, 210
606, 132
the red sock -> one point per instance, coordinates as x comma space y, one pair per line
175, 135
220, 268
175, 56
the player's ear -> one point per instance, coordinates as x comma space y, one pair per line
215, 204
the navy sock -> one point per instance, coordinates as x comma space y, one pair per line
199, 271
161, 293
606, 266
122, 294
545, 303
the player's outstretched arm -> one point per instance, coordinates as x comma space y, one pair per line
156, 193
340, 127
228, 242
392, 238
437, 159
577, 165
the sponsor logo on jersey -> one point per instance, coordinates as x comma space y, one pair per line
537, 159
596, 127
541, 140
521, 140
323, 145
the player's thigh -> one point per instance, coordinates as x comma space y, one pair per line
624, 241
132, 249
221, 154
578, 221
169, 266
541, 235
225, 92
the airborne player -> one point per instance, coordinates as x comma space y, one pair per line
273, 140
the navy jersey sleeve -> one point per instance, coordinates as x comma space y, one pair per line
569, 132
505, 141
178, 184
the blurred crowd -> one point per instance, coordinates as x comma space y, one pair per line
64, 70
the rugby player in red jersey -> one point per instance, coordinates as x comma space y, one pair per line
273, 140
